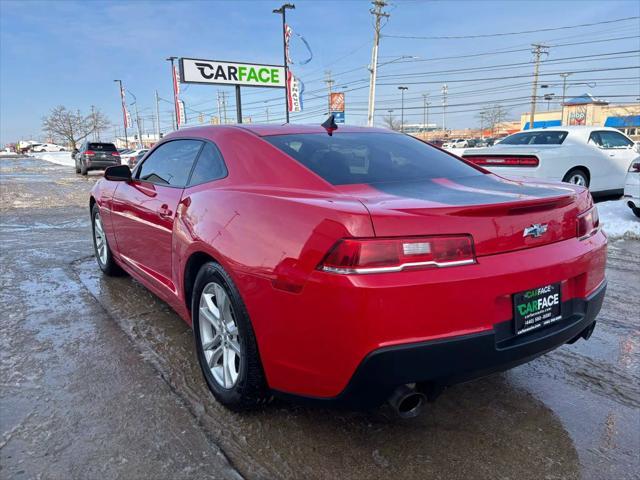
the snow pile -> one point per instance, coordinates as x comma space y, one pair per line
618, 221
59, 158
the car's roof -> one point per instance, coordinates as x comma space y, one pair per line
571, 128
283, 129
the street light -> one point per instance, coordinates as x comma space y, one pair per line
402, 89
548, 97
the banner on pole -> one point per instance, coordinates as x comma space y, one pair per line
294, 90
182, 116
288, 34
126, 118
179, 105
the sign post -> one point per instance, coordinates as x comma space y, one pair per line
232, 73
336, 106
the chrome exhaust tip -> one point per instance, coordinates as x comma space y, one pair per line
406, 402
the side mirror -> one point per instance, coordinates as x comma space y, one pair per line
118, 173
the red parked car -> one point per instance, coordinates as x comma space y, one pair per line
349, 266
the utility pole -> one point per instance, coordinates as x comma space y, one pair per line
283, 11
378, 5
126, 139
538, 51
267, 112
157, 117
224, 106
425, 112
402, 89
329, 81
564, 85
219, 109
445, 92
173, 86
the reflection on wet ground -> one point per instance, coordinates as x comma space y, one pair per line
99, 378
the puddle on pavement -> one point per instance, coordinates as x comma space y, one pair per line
488, 428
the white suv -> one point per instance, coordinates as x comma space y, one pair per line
48, 147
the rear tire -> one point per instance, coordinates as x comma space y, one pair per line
83, 169
577, 176
225, 342
103, 254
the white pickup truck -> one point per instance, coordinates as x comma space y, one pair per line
595, 157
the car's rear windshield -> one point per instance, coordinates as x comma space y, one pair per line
368, 157
102, 147
548, 137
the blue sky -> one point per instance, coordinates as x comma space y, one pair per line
68, 53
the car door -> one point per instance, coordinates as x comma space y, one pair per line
617, 153
145, 209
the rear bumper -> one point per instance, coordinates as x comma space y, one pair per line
454, 360
100, 164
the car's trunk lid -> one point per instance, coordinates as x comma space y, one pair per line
495, 211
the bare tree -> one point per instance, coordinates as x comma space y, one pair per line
73, 126
392, 123
491, 116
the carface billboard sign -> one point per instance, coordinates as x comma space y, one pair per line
231, 73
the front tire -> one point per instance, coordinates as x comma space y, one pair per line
577, 176
225, 342
104, 257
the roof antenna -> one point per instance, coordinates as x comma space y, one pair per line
330, 124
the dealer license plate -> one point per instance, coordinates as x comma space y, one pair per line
537, 308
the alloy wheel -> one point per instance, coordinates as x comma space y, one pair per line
578, 179
219, 335
100, 239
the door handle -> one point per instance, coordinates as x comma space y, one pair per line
165, 211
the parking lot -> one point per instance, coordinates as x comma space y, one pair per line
99, 379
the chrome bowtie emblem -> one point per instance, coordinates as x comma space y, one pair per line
536, 230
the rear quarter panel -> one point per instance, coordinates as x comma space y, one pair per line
271, 243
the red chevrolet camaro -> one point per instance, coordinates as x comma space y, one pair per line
349, 266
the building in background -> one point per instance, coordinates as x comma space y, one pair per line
587, 110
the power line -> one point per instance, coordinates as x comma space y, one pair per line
504, 34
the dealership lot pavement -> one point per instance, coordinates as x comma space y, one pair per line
99, 380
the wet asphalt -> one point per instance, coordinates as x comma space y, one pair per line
98, 379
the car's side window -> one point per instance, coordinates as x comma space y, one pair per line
610, 139
170, 163
595, 139
209, 166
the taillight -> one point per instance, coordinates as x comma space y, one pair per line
116, 154
503, 161
372, 255
588, 223
89, 153
634, 167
